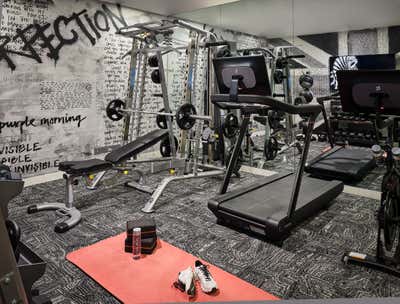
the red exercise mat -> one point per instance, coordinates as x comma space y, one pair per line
149, 279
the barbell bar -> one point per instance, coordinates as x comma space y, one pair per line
200, 117
185, 116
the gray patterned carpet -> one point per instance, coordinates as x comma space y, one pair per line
307, 266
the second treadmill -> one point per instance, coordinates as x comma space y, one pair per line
340, 162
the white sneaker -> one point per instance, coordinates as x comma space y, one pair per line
207, 283
185, 282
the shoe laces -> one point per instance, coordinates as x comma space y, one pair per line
205, 272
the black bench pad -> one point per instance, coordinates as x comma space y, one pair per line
135, 147
115, 157
84, 166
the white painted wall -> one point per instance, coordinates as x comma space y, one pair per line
278, 18
169, 7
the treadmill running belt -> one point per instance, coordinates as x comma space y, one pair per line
342, 163
265, 204
270, 202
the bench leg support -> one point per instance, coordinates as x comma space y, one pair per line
67, 209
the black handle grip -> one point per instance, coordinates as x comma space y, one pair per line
296, 56
334, 96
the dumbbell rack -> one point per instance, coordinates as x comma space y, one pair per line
354, 129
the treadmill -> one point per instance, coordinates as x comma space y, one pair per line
266, 207
345, 164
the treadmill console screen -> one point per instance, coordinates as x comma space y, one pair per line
360, 62
252, 71
356, 87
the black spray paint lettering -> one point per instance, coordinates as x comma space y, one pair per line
90, 27
46, 121
63, 120
20, 148
27, 122
19, 157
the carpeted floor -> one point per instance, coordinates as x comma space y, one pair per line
307, 266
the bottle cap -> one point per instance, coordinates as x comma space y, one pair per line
137, 229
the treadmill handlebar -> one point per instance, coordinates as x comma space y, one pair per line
261, 102
335, 96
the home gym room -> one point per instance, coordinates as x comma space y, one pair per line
240, 151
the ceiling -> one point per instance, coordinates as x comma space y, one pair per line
169, 7
283, 18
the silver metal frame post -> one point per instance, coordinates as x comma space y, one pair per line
167, 107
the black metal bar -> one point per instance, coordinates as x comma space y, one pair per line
327, 124
300, 170
235, 154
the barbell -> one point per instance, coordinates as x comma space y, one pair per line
185, 116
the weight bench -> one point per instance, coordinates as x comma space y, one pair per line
74, 169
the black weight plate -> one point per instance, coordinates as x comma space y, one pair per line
306, 81
183, 116
271, 148
274, 119
113, 108
278, 77
155, 76
165, 147
161, 120
308, 95
230, 125
153, 61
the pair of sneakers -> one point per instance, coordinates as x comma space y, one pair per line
187, 277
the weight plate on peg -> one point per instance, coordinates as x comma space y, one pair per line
165, 147
278, 76
113, 109
155, 76
162, 120
231, 125
306, 81
271, 148
184, 118
153, 61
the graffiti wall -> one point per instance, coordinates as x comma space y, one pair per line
60, 64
